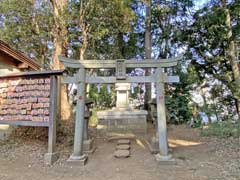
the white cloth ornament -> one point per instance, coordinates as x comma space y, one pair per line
98, 88
109, 89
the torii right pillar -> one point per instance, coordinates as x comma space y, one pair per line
163, 155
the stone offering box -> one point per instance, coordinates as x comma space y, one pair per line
31, 99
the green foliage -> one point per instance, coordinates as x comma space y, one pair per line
167, 30
102, 99
178, 109
177, 101
197, 122
26, 25
208, 50
107, 22
136, 93
167, 26
115, 30
93, 119
207, 38
222, 129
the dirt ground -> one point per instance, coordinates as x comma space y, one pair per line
197, 158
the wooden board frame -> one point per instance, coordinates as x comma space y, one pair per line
51, 156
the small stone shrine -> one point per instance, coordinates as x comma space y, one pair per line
123, 118
122, 90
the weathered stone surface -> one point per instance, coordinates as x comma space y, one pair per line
117, 136
123, 141
123, 121
123, 147
122, 153
122, 95
77, 160
165, 160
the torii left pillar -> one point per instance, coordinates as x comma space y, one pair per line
78, 157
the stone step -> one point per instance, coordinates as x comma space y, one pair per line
123, 141
123, 147
122, 153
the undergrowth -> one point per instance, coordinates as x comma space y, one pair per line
93, 119
223, 129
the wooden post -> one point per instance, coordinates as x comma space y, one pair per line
52, 156
161, 118
78, 155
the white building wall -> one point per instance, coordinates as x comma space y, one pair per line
5, 130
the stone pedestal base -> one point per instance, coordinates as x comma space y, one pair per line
122, 121
165, 160
50, 158
78, 160
88, 146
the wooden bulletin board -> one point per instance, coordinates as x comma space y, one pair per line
31, 99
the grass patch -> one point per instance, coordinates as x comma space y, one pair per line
222, 129
93, 119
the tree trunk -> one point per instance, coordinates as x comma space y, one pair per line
84, 28
84, 43
232, 55
60, 43
148, 50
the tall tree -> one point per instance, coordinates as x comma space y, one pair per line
169, 19
232, 54
26, 26
96, 29
210, 41
60, 43
148, 49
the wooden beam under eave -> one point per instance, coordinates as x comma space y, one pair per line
23, 66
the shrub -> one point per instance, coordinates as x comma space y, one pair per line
222, 129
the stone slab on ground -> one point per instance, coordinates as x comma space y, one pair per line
122, 153
77, 160
123, 141
117, 136
123, 147
165, 160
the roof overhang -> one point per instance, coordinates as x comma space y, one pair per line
19, 56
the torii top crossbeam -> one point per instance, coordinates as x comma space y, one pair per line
147, 63
120, 65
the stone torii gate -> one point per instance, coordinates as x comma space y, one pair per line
81, 79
